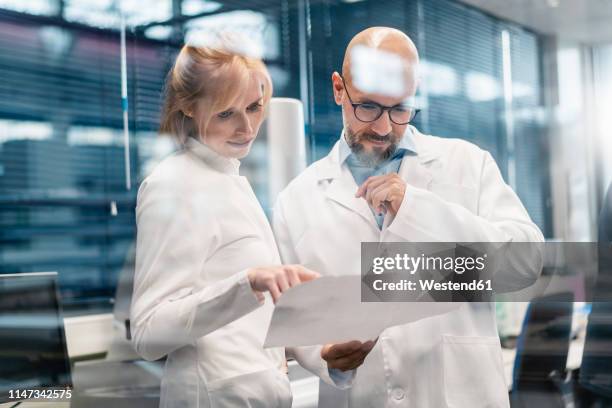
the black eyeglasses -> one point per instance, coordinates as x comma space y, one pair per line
370, 111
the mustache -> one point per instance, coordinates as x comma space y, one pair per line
389, 137
378, 138
376, 155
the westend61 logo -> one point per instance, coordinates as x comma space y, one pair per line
427, 271
412, 265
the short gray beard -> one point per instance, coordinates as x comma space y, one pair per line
372, 158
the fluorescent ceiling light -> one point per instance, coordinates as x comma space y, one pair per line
193, 7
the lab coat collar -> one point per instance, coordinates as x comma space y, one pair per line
414, 169
213, 159
331, 166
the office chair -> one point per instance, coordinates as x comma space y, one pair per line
539, 376
595, 378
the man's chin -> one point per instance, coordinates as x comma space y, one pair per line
376, 150
372, 152
371, 157
374, 146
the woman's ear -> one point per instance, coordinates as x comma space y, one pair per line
188, 110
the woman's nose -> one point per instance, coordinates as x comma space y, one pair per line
245, 125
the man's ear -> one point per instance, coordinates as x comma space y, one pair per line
337, 87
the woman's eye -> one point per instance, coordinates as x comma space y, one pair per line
255, 107
225, 114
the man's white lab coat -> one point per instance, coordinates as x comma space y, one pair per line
454, 193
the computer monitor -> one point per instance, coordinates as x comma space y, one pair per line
33, 353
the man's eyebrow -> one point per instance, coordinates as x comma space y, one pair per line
402, 103
380, 104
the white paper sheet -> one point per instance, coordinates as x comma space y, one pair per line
329, 310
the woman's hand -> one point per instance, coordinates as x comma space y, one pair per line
278, 279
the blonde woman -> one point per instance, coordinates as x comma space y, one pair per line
204, 245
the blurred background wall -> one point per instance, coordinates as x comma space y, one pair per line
529, 81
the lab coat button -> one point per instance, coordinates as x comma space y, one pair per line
398, 394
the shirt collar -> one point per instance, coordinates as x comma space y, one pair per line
406, 144
213, 159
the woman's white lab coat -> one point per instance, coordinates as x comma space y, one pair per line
200, 227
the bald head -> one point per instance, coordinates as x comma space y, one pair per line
376, 92
385, 39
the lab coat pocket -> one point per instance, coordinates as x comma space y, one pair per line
465, 196
473, 372
261, 389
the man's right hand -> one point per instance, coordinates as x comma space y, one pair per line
346, 356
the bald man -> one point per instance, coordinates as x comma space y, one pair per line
384, 181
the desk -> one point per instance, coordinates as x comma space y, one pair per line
305, 386
37, 404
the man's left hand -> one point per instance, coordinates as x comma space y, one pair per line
383, 193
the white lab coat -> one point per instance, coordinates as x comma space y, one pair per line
455, 193
200, 227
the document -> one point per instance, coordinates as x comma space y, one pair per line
329, 310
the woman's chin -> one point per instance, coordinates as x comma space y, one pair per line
243, 155
238, 152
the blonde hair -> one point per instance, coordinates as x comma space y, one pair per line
216, 75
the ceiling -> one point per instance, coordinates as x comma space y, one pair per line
587, 21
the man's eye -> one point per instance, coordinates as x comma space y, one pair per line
369, 106
225, 114
401, 109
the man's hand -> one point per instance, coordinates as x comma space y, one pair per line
346, 356
383, 193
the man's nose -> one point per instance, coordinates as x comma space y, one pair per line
382, 125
